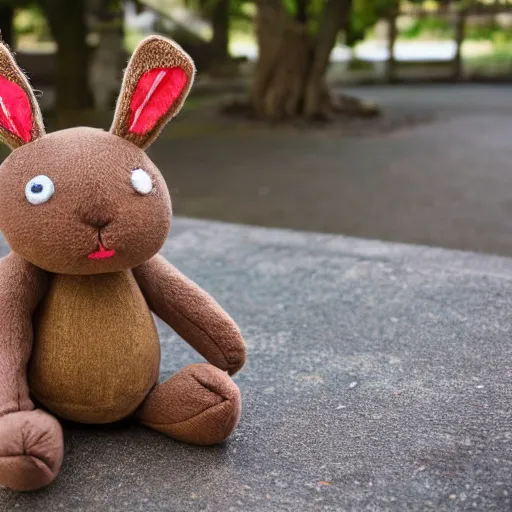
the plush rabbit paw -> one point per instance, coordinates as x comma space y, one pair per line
31, 450
199, 405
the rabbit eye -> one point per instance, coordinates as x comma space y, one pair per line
141, 181
39, 189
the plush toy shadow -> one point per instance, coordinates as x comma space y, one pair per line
85, 213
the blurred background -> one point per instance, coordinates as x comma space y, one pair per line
381, 119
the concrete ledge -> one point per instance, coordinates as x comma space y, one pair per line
379, 378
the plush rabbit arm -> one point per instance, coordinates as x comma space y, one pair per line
22, 288
192, 313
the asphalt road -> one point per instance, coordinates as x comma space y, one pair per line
447, 182
378, 379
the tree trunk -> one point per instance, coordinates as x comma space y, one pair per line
335, 15
290, 74
68, 26
107, 62
302, 10
219, 44
459, 40
6, 24
392, 35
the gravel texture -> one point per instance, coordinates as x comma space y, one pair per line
378, 379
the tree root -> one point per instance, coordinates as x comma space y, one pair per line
333, 107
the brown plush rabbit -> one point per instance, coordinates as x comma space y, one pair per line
85, 212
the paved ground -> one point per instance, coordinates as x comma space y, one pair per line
378, 379
446, 183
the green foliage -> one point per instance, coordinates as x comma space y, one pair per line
17, 3
439, 3
497, 35
205, 7
431, 27
423, 3
442, 28
365, 14
315, 11
30, 21
315, 7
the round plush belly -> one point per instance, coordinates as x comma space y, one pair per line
96, 352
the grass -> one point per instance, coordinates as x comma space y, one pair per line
499, 56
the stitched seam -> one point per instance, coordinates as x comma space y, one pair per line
107, 408
188, 419
45, 461
209, 388
180, 314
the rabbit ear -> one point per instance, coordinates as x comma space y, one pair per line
20, 116
156, 83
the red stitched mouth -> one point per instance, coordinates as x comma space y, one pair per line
101, 253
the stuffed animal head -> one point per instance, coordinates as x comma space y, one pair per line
82, 200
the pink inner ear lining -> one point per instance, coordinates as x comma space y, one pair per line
154, 95
15, 110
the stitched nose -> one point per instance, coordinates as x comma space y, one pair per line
96, 219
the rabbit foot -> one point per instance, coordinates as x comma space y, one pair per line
199, 405
31, 450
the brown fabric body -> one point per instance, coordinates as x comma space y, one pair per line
192, 313
31, 450
83, 325
199, 405
96, 352
22, 288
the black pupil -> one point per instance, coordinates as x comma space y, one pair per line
36, 188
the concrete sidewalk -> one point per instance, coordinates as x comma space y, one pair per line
378, 378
